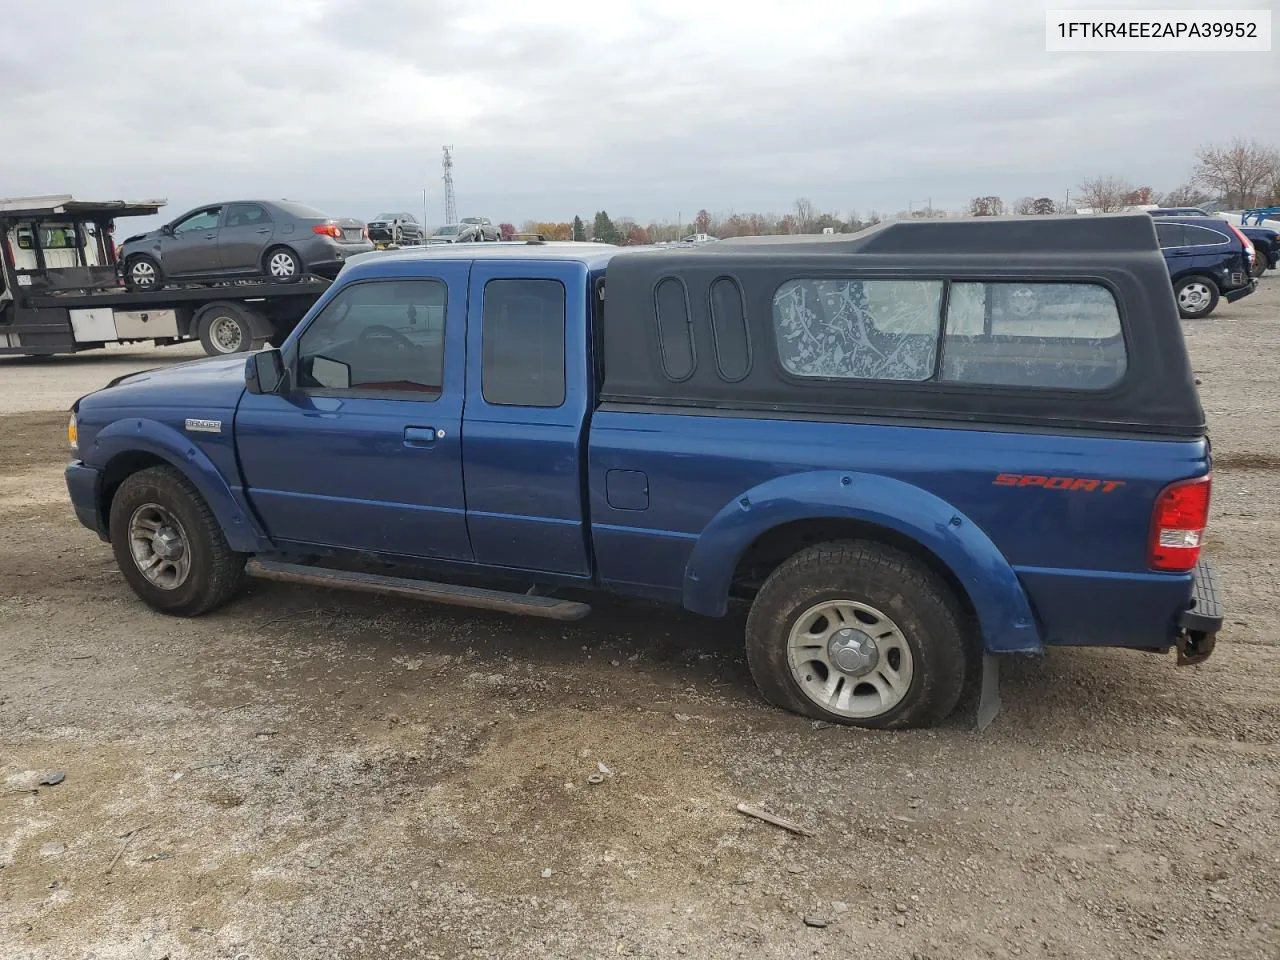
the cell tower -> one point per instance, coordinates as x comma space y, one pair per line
450, 202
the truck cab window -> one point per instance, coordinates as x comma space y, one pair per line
381, 336
522, 343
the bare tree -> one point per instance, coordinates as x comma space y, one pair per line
1238, 173
1104, 194
1024, 207
806, 216
1184, 195
986, 207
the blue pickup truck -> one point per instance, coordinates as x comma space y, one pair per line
911, 451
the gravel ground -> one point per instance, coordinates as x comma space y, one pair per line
317, 775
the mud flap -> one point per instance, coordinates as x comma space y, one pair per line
989, 698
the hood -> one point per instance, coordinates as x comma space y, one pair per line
210, 381
149, 235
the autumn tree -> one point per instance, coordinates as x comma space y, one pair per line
506, 231
702, 222
603, 229
1142, 196
636, 236
1238, 173
986, 207
579, 228
1104, 194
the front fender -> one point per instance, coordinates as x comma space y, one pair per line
1004, 613
134, 435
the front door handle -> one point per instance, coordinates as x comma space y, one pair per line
265, 230
211, 236
422, 436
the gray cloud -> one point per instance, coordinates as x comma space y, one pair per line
554, 109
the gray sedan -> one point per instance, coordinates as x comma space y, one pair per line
279, 239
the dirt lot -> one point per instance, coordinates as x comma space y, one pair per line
316, 775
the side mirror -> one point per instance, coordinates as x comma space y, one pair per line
264, 372
167, 229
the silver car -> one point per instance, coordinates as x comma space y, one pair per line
277, 239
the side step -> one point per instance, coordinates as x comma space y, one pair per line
548, 607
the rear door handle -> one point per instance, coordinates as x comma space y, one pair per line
422, 436
265, 230
211, 236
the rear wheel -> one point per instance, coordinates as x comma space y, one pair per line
142, 273
283, 265
1197, 297
225, 329
1260, 261
169, 545
858, 633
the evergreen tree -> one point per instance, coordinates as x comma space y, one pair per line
579, 230
604, 231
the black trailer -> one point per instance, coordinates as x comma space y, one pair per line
61, 290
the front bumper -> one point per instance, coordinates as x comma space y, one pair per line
1198, 625
1231, 296
83, 485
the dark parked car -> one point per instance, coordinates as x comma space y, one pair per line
1265, 241
1208, 260
279, 239
401, 228
487, 228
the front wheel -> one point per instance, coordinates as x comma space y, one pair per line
1197, 297
169, 545
858, 633
142, 274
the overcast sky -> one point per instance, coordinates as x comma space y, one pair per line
557, 107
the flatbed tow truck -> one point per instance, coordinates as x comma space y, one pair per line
61, 290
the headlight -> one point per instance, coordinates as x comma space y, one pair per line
73, 433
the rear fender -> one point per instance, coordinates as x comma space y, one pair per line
135, 435
1003, 610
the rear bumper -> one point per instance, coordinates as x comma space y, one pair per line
327, 256
83, 485
1231, 296
1198, 625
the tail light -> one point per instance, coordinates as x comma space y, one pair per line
1177, 525
1249, 252
328, 230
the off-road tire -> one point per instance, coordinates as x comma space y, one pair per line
216, 573
933, 622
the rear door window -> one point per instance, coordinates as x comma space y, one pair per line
1171, 234
1055, 335
1204, 237
858, 329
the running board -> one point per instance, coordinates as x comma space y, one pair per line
534, 606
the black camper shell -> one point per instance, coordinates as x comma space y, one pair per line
696, 329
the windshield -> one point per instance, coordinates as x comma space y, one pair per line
446, 231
